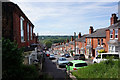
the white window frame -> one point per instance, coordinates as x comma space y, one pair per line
31, 32
28, 31
111, 34
116, 34
22, 29
111, 48
99, 42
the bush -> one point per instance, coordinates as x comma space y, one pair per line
12, 63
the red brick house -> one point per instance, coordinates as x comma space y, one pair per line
113, 35
81, 44
16, 26
96, 40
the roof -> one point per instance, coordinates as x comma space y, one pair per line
115, 26
78, 61
99, 33
82, 39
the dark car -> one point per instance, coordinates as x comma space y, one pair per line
82, 57
76, 57
67, 55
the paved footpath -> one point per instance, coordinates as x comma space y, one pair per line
50, 68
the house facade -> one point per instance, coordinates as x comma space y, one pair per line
16, 26
113, 35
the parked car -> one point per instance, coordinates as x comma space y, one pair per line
66, 55
103, 57
62, 54
47, 54
51, 56
82, 57
76, 56
62, 62
75, 65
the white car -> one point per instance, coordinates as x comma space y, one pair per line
103, 57
62, 54
62, 62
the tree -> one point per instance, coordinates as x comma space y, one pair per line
11, 60
48, 44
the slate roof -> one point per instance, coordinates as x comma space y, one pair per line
99, 33
82, 39
115, 26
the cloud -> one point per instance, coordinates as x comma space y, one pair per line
66, 0
67, 17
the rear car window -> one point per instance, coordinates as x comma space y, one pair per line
80, 64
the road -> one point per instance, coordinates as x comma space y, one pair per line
51, 69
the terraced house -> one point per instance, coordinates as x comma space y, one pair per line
113, 35
16, 26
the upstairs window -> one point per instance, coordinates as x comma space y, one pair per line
28, 31
111, 33
98, 41
116, 33
89, 41
31, 32
22, 29
101, 41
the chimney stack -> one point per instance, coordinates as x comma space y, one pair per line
71, 38
113, 19
67, 41
79, 35
91, 30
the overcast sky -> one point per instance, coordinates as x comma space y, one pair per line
65, 18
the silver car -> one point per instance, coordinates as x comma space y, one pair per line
62, 62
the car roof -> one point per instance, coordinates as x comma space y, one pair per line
78, 61
61, 57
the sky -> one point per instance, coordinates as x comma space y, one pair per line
53, 17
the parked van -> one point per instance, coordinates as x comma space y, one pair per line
103, 56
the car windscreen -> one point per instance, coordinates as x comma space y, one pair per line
77, 55
81, 54
62, 59
80, 64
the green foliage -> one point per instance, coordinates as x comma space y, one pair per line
106, 69
48, 44
12, 59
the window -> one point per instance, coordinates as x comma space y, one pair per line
101, 41
22, 29
88, 41
80, 64
111, 48
31, 32
98, 41
111, 34
116, 33
28, 31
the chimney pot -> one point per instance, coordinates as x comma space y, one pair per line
113, 19
91, 30
79, 35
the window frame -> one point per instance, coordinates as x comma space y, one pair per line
28, 30
22, 29
111, 34
111, 48
116, 33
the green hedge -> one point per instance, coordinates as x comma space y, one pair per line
107, 69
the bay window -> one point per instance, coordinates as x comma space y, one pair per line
111, 48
